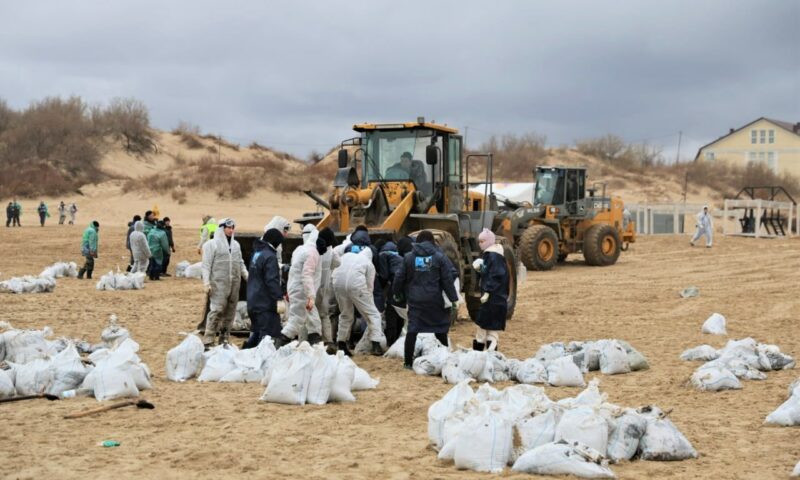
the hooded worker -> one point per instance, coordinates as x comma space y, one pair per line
282, 225
89, 244
705, 226
353, 282
223, 269
425, 274
390, 261
305, 276
264, 288
360, 240
140, 250
206, 231
43, 212
159, 246
329, 261
493, 271
62, 213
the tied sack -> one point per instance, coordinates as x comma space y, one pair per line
563, 458
715, 325
185, 360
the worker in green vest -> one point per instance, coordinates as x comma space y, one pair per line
206, 231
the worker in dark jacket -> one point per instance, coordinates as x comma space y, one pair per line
9, 213
493, 271
171, 249
136, 218
390, 261
426, 273
264, 288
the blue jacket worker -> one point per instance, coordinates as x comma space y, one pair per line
426, 273
264, 288
494, 275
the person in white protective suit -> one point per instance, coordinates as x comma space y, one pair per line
305, 276
329, 261
353, 282
705, 226
140, 250
223, 269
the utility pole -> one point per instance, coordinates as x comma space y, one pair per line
219, 148
678, 155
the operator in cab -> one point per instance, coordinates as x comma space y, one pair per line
408, 169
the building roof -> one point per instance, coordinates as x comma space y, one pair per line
788, 126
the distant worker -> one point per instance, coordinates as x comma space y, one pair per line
305, 275
168, 252
62, 213
223, 269
390, 261
264, 288
206, 231
705, 226
140, 250
73, 209
89, 244
131, 225
494, 276
159, 245
426, 273
353, 282
43, 213
329, 261
149, 221
16, 213
9, 214
408, 169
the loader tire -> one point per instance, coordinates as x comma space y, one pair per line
601, 245
538, 248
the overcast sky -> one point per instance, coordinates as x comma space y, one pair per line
296, 75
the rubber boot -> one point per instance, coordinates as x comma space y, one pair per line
80, 273
376, 349
282, 340
478, 346
342, 346
314, 338
89, 274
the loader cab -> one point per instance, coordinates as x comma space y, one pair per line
560, 188
425, 154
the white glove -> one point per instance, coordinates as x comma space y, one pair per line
485, 297
478, 264
245, 275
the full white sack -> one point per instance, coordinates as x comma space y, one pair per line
185, 360
432, 363
614, 359
796, 471
532, 371
484, 444
343, 380
451, 371
180, 268
535, 431
563, 372
701, 352
788, 414
33, 378
662, 441
715, 325
60, 269
323, 374
584, 425
290, 378
626, 432
453, 401
715, 379
7, 389
397, 350
23, 346
219, 361
111, 380
362, 380
194, 270
563, 459
68, 371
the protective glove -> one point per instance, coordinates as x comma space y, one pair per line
207, 288
485, 297
245, 275
478, 265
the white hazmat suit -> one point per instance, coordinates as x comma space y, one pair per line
139, 248
705, 226
329, 262
353, 282
305, 276
223, 268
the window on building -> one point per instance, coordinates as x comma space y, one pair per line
772, 136
753, 136
772, 161
762, 157
763, 137
710, 156
751, 157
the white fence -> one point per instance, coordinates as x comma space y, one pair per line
664, 218
735, 210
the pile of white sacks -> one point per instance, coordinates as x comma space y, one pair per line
788, 414
296, 374
556, 364
185, 269
486, 430
738, 359
44, 283
38, 365
121, 281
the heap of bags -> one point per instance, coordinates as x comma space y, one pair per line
185, 269
487, 429
296, 374
38, 365
241, 319
121, 281
556, 364
44, 283
788, 414
738, 359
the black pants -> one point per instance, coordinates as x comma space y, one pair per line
411, 341
8, 221
153, 269
394, 325
15, 221
262, 323
41, 218
130, 263
166, 263
88, 267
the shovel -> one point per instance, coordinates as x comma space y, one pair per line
127, 403
29, 397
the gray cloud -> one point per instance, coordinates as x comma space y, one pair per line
297, 75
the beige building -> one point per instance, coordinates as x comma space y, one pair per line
771, 142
